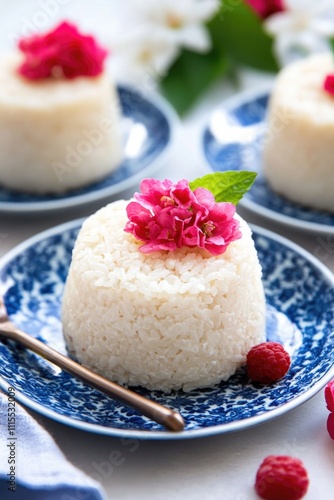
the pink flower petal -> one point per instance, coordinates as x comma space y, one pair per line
216, 240
138, 214
204, 197
221, 212
165, 219
191, 237
153, 188
154, 246
214, 249
182, 195
181, 213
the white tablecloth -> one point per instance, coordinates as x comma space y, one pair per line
219, 467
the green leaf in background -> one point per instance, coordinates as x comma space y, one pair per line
191, 75
238, 38
228, 186
331, 42
240, 31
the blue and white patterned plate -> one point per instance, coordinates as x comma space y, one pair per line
148, 125
300, 298
233, 140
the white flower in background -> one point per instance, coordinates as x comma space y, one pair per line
142, 56
303, 28
153, 32
182, 21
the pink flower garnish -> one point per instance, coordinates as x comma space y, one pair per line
266, 7
167, 216
63, 52
329, 84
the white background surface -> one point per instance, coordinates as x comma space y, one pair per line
220, 467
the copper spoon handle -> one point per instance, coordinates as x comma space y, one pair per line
160, 414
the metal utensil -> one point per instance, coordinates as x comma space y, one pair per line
160, 414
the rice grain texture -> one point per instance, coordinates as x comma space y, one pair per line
165, 320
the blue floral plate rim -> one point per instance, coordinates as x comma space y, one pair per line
94, 193
234, 426
229, 105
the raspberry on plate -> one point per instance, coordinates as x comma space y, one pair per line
329, 395
330, 425
267, 362
281, 477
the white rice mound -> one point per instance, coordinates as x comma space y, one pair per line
299, 149
166, 320
56, 134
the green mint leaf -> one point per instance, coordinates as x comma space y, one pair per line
226, 186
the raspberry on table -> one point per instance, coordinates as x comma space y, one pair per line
281, 477
330, 425
329, 395
267, 362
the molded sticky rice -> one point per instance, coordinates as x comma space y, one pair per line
165, 320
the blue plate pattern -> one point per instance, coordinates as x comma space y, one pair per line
149, 123
233, 140
300, 300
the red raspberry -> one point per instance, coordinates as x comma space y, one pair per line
281, 478
329, 395
267, 362
330, 425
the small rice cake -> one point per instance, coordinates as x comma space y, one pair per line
56, 134
166, 320
298, 159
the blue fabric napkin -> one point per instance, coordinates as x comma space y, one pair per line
33, 465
